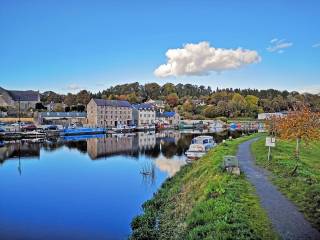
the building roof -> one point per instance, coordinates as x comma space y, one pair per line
63, 114
112, 103
156, 102
166, 114
24, 95
141, 106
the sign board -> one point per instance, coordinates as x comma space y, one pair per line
270, 141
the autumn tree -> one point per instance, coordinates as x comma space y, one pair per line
301, 125
172, 99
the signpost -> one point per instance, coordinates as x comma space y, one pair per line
270, 142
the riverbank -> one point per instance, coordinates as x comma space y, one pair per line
303, 188
202, 201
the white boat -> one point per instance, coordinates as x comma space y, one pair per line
200, 146
123, 128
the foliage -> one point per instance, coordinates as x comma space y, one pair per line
297, 125
202, 202
39, 106
304, 187
172, 99
228, 102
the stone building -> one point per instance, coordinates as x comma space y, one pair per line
109, 113
15, 99
144, 115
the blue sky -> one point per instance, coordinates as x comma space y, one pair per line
69, 45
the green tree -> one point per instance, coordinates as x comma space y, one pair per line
168, 89
152, 90
132, 97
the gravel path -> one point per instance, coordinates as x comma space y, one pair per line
285, 217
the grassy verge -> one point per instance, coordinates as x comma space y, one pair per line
202, 202
304, 187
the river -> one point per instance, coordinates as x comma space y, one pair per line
85, 187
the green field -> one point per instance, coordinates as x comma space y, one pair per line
303, 188
203, 202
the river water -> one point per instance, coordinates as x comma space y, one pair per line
87, 187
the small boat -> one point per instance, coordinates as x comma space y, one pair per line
33, 134
82, 131
200, 146
123, 128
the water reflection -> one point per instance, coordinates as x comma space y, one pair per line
20, 149
170, 166
115, 145
166, 143
66, 193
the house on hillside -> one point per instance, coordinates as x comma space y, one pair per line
22, 100
171, 118
159, 104
109, 113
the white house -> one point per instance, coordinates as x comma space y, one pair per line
264, 116
144, 115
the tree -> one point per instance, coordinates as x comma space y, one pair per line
172, 99
152, 90
300, 125
188, 106
133, 98
39, 106
81, 108
168, 89
210, 112
83, 97
58, 107
70, 99
252, 105
122, 97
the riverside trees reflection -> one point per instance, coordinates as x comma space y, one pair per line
152, 144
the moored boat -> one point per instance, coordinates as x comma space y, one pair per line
82, 131
200, 146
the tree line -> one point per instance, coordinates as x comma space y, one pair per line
193, 101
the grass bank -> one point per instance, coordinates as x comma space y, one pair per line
304, 187
203, 202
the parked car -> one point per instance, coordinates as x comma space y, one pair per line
52, 127
2, 130
30, 127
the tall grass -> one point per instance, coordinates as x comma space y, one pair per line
203, 202
303, 188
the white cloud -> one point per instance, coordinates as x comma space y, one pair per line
73, 87
200, 59
277, 45
274, 40
315, 89
316, 45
